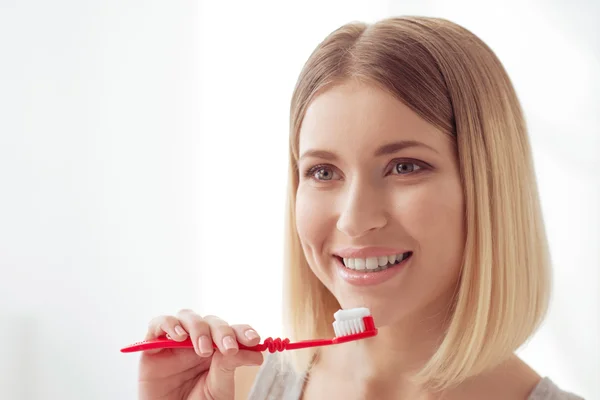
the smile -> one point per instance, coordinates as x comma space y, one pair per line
371, 270
374, 264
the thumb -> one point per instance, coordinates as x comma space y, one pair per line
220, 381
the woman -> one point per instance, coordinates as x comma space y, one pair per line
411, 192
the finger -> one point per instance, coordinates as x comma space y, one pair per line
220, 381
172, 327
223, 336
242, 358
198, 330
165, 324
246, 335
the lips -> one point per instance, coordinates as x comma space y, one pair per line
372, 277
374, 264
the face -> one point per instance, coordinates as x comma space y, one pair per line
379, 207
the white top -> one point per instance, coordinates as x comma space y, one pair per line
278, 381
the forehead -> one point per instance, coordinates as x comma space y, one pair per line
356, 115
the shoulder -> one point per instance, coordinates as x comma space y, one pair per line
546, 389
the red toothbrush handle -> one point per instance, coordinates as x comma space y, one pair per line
163, 342
270, 344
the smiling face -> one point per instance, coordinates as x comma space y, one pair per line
379, 206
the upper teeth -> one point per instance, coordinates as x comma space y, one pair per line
371, 263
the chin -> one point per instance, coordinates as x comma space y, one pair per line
384, 313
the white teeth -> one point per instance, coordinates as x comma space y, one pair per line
372, 263
360, 263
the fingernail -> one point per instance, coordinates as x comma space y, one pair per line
229, 343
251, 334
179, 330
205, 345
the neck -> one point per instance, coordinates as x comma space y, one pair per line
387, 362
400, 349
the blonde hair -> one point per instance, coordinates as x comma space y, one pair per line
454, 81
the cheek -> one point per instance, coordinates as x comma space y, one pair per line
313, 227
303, 216
311, 221
433, 215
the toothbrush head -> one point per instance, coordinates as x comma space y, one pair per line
353, 324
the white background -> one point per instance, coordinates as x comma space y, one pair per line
143, 156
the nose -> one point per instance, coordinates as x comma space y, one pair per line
362, 210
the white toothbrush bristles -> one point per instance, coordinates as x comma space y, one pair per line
348, 322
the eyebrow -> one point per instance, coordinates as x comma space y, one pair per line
386, 149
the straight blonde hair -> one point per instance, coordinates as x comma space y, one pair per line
454, 81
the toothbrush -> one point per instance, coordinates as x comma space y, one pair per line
349, 325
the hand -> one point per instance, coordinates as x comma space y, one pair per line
200, 373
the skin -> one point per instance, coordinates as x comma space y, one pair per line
410, 199
372, 201
200, 373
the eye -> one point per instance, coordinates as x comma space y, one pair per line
405, 168
321, 173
